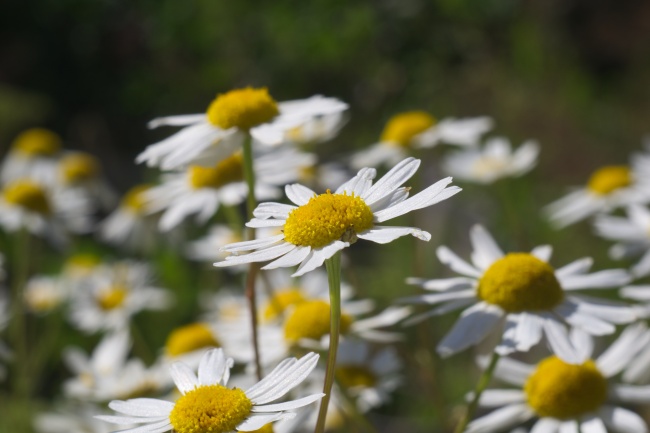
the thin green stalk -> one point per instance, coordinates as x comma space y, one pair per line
251, 204
19, 324
483, 382
233, 216
333, 265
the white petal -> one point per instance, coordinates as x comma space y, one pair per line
299, 194
257, 421
579, 266
512, 371
546, 425
442, 309
428, 197
184, 377
292, 258
279, 383
384, 235
543, 252
486, 251
500, 419
593, 425
558, 339
258, 256
213, 366
259, 224
125, 420
181, 120
289, 405
501, 397
472, 327
622, 420
630, 393
359, 184
528, 331
639, 369
620, 353
272, 210
436, 298
598, 280
253, 244
317, 256
142, 407
638, 293
449, 258
443, 284
392, 180
388, 317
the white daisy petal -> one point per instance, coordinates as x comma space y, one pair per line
501, 397
289, 405
449, 258
473, 326
213, 366
317, 256
598, 280
543, 252
253, 244
359, 184
429, 196
500, 419
384, 235
272, 210
443, 284
125, 420
149, 407
486, 251
622, 420
630, 394
258, 256
392, 180
620, 353
546, 425
184, 377
437, 298
638, 371
280, 384
512, 371
257, 421
638, 293
579, 266
442, 309
299, 194
180, 120
593, 425
528, 331
292, 258
558, 338
570, 426
260, 224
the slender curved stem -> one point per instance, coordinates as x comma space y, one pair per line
333, 265
251, 204
483, 382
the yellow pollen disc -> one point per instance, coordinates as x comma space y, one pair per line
210, 409
268, 428
281, 300
28, 195
311, 319
134, 198
112, 297
520, 282
326, 218
38, 142
189, 338
78, 167
560, 390
351, 376
608, 179
242, 108
401, 128
227, 171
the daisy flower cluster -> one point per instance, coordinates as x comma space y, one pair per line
241, 287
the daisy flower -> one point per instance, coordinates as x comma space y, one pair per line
43, 294
494, 161
34, 154
80, 174
418, 129
210, 137
113, 295
317, 129
608, 188
521, 296
72, 420
632, 234
201, 190
130, 226
321, 225
207, 404
568, 397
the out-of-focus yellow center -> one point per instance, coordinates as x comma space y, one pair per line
350, 376
112, 297
242, 108
37, 142
42, 299
563, 391
79, 167
28, 195
81, 265
135, 200
280, 301
227, 171
608, 179
189, 338
311, 320
401, 128
268, 428
520, 282
210, 409
326, 218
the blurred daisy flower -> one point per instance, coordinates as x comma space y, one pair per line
201, 190
608, 187
217, 134
208, 405
321, 225
568, 397
80, 175
206, 249
131, 226
494, 161
633, 236
418, 129
34, 154
44, 294
521, 296
317, 129
113, 295
72, 419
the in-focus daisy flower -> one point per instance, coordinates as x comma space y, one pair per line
34, 154
494, 161
210, 137
321, 225
44, 294
80, 174
521, 296
608, 187
201, 190
113, 295
564, 395
632, 235
208, 405
131, 226
418, 129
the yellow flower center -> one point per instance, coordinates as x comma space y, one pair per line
210, 409
608, 179
81, 265
79, 167
37, 142
242, 108
351, 376
401, 128
227, 171
560, 390
112, 297
281, 300
189, 338
520, 282
326, 218
28, 195
311, 319
135, 199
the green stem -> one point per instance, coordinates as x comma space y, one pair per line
234, 219
483, 382
19, 280
333, 265
251, 204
